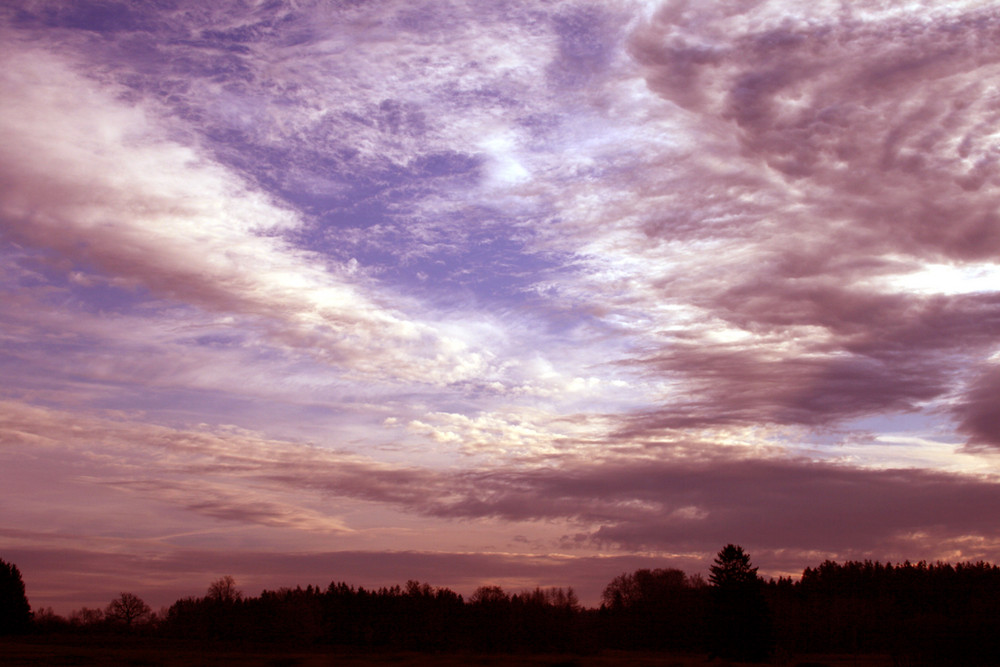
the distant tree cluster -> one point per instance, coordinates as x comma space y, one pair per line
936, 614
415, 617
654, 609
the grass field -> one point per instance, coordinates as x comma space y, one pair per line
134, 652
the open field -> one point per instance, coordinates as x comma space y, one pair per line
156, 653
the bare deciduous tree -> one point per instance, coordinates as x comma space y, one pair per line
128, 608
86, 616
224, 590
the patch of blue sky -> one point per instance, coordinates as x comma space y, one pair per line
327, 179
95, 295
92, 15
901, 440
917, 424
586, 45
189, 405
81, 287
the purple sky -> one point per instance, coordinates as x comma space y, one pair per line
517, 293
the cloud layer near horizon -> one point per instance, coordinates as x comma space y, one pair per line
547, 278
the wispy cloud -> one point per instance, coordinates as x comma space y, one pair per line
822, 164
159, 216
680, 500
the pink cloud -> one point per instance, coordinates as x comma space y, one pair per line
871, 141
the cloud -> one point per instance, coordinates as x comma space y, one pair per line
130, 203
242, 477
977, 410
681, 499
235, 504
521, 435
822, 162
803, 507
857, 113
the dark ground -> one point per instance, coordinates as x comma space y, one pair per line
137, 652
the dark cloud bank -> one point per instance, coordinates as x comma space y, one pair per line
878, 134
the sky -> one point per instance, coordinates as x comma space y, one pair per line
519, 293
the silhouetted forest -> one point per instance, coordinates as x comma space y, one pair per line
923, 613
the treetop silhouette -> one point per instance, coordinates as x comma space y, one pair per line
919, 613
224, 590
15, 612
128, 608
739, 623
732, 568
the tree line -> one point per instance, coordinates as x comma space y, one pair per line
923, 613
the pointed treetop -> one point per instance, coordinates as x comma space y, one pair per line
15, 612
732, 567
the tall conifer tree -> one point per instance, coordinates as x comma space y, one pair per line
15, 612
739, 625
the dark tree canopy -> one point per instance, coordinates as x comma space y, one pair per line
917, 613
486, 595
732, 568
644, 587
654, 609
15, 612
